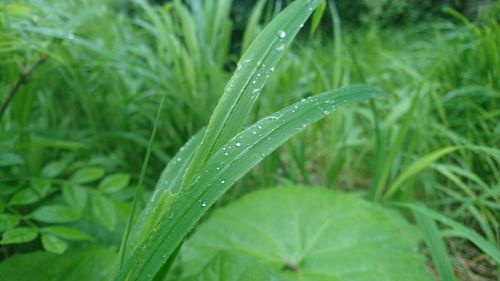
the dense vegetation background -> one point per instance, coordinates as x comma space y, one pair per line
81, 81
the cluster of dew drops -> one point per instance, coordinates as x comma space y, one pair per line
281, 47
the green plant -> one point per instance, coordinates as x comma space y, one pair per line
214, 161
302, 233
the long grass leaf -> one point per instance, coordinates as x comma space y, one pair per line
416, 168
252, 71
459, 230
435, 244
228, 164
138, 189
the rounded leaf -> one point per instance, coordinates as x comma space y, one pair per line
53, 244
75, 195
19, 235
55, 214
87, 175
8, 221
67, 233
54, 169
309, 234
104, 210
114, 183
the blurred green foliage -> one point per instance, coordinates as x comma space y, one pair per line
78, 128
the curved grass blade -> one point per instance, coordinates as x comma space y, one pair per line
434, 241
242, 90
459, 229
416, 168
228, 164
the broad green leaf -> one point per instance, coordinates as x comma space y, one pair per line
226, 166
54, 169
234, 267
10, 159
38, 190
8, 221
75, 195
55, 214
53, 244
114, 183
104, 210
242, 90
24, 196
87, 175
19, 235
66, 233
92, 264
459, 229
308, 233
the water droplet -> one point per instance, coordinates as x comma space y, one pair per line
281, 34
258, 74
260, 127
280, 47
226, 153
238, 144
272, 69
217, 168
301, 25
178, 159
222, 181
203, 204
254, 132
70, 36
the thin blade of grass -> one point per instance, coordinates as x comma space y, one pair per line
138, 190
459, 230
434, 241
416, 168
228, 164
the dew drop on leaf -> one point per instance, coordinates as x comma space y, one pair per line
281, 34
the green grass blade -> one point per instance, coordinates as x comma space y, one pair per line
382, 175
252, 26
138, 190
459, 229
416, 168
228, 164
435, 244
252, 71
